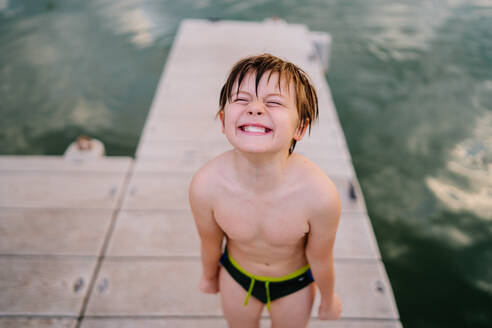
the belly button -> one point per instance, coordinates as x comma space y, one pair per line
266, 263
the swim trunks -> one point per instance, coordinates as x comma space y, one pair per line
266, 289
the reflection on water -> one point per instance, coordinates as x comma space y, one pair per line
76, 67
133, 18
408, 27
471, 161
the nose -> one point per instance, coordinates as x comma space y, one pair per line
256, 108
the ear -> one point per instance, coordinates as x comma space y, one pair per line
301, 130
221, 117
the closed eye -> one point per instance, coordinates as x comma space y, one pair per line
274, 103
240, 100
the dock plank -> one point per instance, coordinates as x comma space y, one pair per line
53, 231
163, 148
220, 50
62, 164
169, 99
151, 287
155, 233
221, 323
37, 322
59, 190
43, 286
164, 292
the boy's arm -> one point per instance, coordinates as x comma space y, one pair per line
323, 224
200, 198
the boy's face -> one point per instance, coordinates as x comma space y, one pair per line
265, 122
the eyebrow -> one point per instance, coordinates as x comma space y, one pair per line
240, 91
267, 95
276, 94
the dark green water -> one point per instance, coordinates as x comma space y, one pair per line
411, 80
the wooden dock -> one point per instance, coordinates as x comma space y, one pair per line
111, 242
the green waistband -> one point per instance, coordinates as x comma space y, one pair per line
265, 279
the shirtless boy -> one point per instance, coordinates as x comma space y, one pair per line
277, 211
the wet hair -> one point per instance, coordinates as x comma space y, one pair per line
306, 98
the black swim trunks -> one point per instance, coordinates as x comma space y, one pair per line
266, 289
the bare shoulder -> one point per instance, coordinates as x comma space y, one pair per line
324, 197
205, 180
315, 179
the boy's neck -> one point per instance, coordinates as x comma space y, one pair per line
260, 173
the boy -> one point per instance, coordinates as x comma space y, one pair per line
277, 210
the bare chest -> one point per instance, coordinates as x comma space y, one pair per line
277, 221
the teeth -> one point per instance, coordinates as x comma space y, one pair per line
249, 128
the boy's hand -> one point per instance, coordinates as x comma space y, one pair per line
209, 286
331, 310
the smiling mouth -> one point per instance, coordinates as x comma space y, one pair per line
254, 129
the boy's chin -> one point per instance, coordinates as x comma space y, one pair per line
257, 148
258, 151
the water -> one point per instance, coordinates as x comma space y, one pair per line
411, 80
